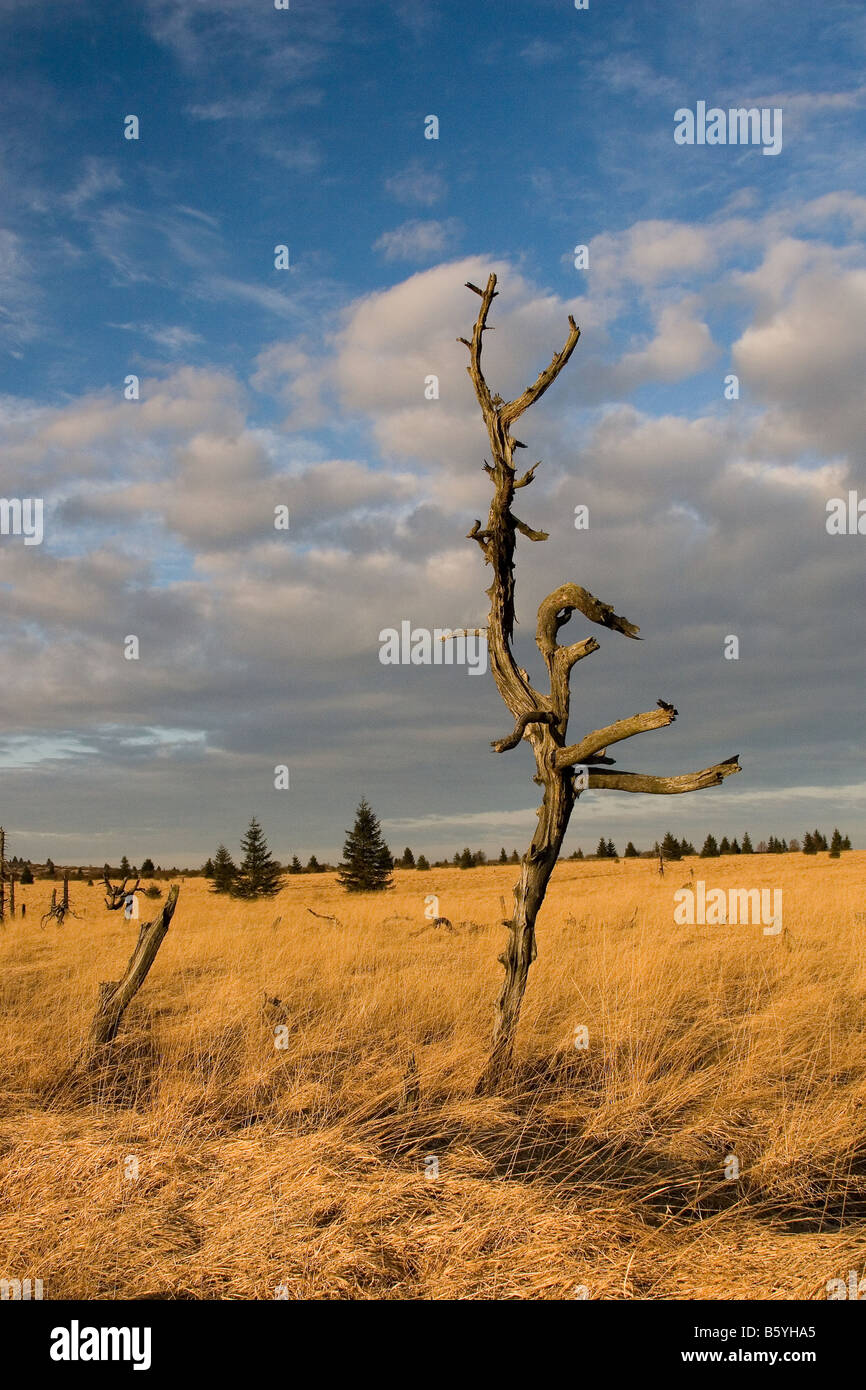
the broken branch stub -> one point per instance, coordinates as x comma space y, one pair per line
115, 996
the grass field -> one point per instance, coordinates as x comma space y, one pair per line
262, 1167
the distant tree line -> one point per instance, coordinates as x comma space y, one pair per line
814, 842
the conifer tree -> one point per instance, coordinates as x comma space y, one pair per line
671, 847
367, 862
746, 847
835, 845
630, 851
259, 875
710, 849
223, 872
422, 863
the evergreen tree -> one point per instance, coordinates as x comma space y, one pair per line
124, 867
724, 845
466, 860
611, 850
422, 863
26, 875
746, 847
686, 847
710, 849
630, 851
671, 847
367, 862
296, 867
207, 871
147, 866
479, 858
515, 857
50, 870
223, 872
846, 842
809, 846
313, 865
601, 849
259, 874
578, 853
835, 845
407, 860
735, 848
503, 857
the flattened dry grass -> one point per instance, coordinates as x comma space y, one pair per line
262, 1166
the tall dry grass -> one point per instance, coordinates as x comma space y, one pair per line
262, 1167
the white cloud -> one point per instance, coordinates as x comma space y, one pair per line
417, 240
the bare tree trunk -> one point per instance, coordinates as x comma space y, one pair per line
542, 719
537, 867
116, 995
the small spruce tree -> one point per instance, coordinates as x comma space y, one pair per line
223, 872
710, 849
630, 851
422, 863
259, 874
746, 847
671, 847
367, 863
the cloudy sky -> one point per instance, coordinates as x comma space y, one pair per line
305, 387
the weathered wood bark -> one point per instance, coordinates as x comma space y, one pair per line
542, 719
116, 995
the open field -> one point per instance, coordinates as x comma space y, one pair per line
261, 1167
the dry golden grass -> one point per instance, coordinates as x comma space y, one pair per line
261, 1167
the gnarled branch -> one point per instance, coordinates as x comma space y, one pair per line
664, 786
515, 408
538, 716
614, 733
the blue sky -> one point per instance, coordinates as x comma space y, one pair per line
305, 387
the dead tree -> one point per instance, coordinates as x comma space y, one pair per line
542, 719
59, 911
116, 995
115, 897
